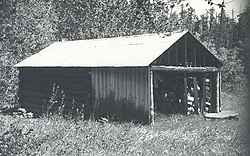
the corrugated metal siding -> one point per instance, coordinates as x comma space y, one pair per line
122, 88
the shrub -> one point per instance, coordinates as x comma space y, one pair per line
233, 77
57, 104
8, 86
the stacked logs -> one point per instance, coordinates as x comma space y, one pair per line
208, 97
191, 98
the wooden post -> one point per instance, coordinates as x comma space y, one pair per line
211, 94
196, 99
151, 94
203, 94
217, 92
215, 89
185, 94
220, 91
199, 83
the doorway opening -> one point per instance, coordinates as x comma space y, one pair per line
171, 96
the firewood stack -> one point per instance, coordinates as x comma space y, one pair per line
190, 109
191, 97
208, 97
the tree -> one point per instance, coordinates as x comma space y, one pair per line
233, 78
27, 27
244, 38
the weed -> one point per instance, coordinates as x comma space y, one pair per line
171, 135
57, 105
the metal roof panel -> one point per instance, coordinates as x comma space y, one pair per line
129, 51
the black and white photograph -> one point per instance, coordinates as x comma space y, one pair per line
124, 77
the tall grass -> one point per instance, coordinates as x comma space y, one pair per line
171, 135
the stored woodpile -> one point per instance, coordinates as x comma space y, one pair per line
170, 97
194, 101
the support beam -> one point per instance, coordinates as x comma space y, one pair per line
151, 95
220, 91
185, 94
215, 92
215, 97
212, 93
203, 94
217, 108
185, 69
196, 98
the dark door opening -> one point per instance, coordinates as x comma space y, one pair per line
170, 96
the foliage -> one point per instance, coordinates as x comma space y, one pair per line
27, 30
56, 101
228, 40
244, 38
218, 30
108, 18
57, 105
233, 75
26, 27
8, 86
171, 135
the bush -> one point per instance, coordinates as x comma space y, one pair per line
8, 86
56, 105
233, 77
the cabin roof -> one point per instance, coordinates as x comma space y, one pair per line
130, 51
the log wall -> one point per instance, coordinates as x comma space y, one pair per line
36, 84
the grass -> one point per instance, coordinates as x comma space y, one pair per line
171, 135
